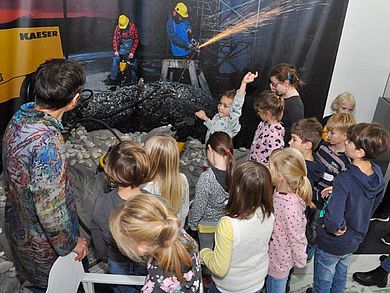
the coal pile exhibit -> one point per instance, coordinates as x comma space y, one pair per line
143, 108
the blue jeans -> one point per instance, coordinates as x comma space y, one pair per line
386, 264
275, 285
330, 271
115, 66
126, 268
213, 289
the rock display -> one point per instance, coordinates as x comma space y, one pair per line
143, 108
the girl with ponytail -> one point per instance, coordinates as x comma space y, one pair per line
211, 191
293, 193
145, 228
269, 135
284, 81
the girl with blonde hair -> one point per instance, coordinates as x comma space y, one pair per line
293, 193
144, 227
164, 176
343, 103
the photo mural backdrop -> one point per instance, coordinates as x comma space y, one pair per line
299, 32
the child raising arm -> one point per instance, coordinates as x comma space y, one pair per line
229, 110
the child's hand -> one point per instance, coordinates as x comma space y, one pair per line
326, 192
341, 231
250, 77
201, 115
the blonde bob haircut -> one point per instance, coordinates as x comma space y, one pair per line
127, 164
341, 98
289, 164
164, 158
148, 219
340, 122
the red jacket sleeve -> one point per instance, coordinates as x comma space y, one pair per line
116, 39
134, 34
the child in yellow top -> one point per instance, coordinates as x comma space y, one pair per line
242, 235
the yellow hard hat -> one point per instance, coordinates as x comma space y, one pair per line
123, 21
181, 9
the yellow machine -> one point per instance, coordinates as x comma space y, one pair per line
22, 51
122, 66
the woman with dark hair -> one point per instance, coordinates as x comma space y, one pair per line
41, 211
285, 82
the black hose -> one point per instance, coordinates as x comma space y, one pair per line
81, 222
94, 120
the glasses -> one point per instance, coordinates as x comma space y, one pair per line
274, 84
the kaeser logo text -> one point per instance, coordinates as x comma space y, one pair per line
37, 35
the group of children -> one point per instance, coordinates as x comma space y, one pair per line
255, 221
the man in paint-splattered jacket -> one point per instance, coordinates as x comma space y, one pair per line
40, 209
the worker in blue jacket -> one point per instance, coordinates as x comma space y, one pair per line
179, 31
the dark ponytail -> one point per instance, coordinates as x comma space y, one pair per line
285, 71
222, 143
230, 162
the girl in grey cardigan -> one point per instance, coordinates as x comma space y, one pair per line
211, 191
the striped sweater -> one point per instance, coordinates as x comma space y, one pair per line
333, 163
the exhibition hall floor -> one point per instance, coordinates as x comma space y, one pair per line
303, 278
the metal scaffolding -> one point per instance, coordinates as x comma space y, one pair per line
215, 16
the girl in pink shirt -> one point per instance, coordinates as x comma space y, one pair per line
269, 134
287, 247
